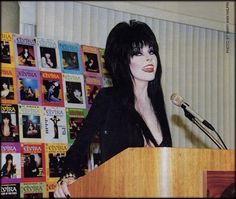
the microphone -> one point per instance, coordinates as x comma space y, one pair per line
189, 112
196, 118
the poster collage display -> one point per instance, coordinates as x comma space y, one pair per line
47, 89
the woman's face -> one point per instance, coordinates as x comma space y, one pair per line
47, 55
143, 64
6, 120
55, 83
4, 85
77, 93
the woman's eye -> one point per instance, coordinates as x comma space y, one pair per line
151, 52
136, 53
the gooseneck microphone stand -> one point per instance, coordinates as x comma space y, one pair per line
196, 122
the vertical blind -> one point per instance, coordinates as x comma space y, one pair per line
195, 62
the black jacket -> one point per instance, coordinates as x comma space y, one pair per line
119, 127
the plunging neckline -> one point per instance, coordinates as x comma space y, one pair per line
146, 129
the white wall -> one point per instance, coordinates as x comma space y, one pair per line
207, 14
9, 16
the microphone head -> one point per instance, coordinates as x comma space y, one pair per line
177, 99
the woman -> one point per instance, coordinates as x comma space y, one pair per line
53, 92
30, 94
55, 120
30, 167
8, 170
31, 130
25, 57
132, 112
7, 128
92, 94
46, 61
5, 90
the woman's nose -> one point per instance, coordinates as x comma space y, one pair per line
148, 57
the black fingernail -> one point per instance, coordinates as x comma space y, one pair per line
67, 196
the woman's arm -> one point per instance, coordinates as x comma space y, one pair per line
76, 155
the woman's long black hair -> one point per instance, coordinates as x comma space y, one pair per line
119, 49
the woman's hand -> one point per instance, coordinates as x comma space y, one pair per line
61, 190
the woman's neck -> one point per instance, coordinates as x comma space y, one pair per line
141, 96
140, 91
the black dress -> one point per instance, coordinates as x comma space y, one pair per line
117, 126
5, 173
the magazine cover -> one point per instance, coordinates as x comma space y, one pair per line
11, 190
92, 86
91, 61
10, 162
74, 118
9, 123
33, 162
28, 87
48, 55
25, 51
55, 157
106, 78
55, 124
74, 93
7, 50
70, 57
33, 190
50, 188
31, 123
8, 86
52, 89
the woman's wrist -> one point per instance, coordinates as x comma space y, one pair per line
69, 175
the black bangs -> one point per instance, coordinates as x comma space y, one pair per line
142, 35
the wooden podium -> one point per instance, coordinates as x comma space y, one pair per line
153, 172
